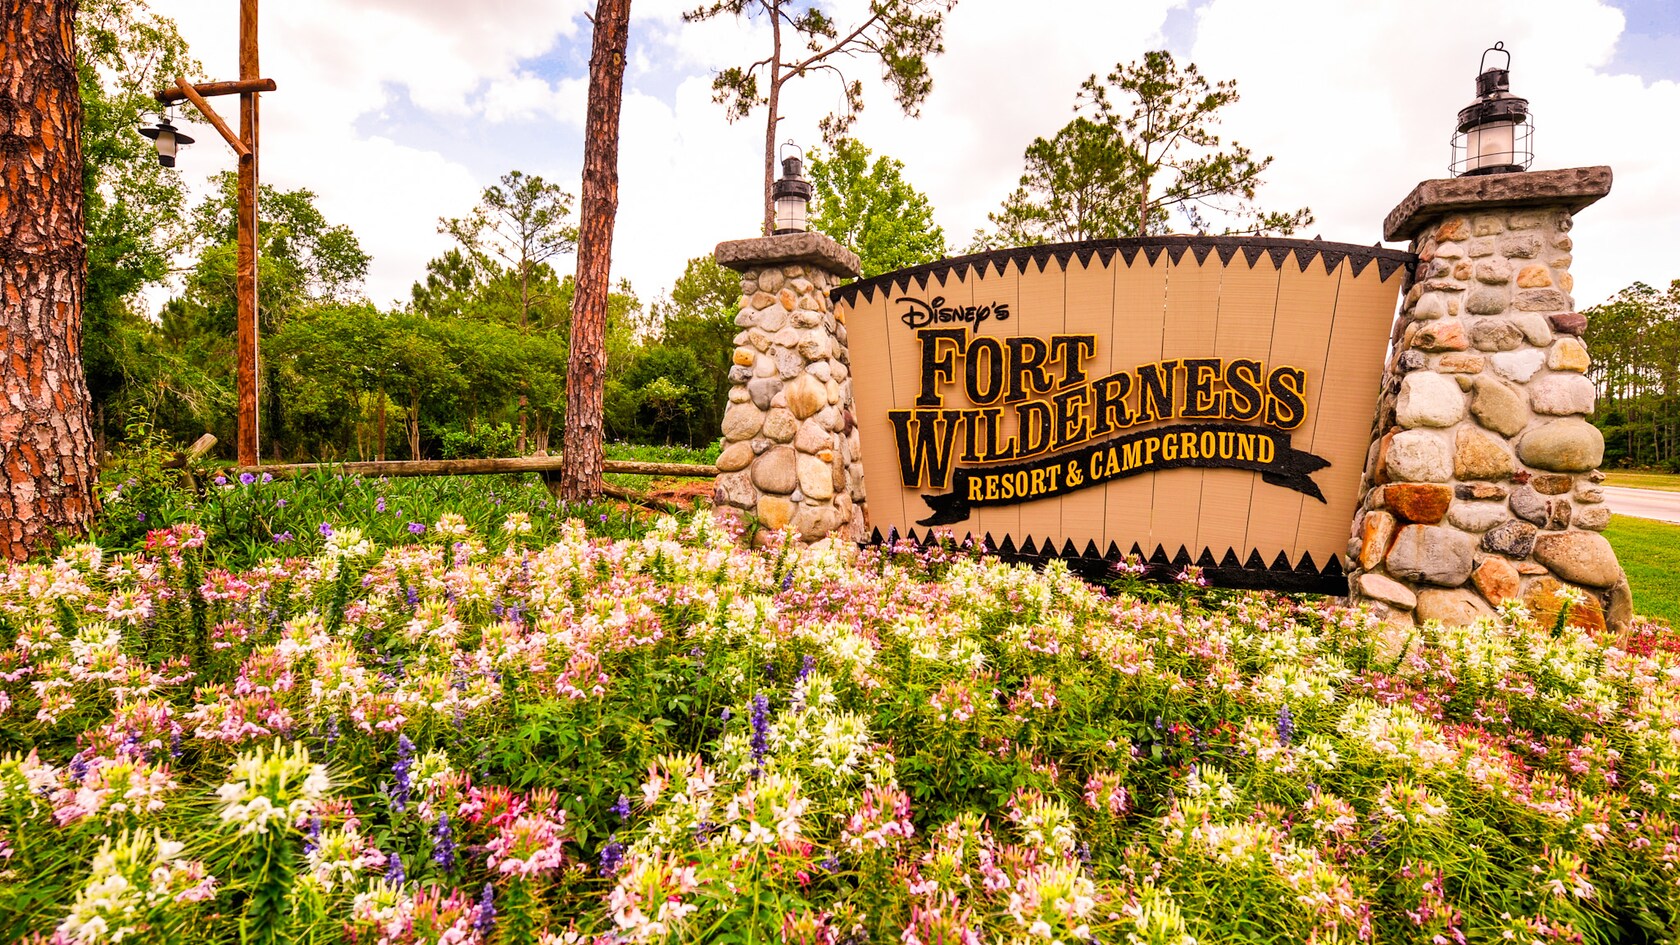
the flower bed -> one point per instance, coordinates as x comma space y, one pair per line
466, 739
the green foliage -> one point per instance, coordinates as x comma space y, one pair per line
1649, 551
1635, 342
524, 221
869, 208
1148, 151
485, 441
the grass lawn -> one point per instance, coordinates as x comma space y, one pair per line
1650, 553
1643, 479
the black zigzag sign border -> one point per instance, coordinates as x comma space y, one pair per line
1252, 249
1253, 573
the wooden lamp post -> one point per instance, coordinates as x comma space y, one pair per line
244, 144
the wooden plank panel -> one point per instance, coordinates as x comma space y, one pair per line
1247, 311
1358, 340
947, 292
1090, 311
1300, 338
1043, 307
1192, 313
1140, 297
1001, 288
867, 329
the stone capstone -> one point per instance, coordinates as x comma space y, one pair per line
1579, 557
1432, 554
1567, 445
812, 248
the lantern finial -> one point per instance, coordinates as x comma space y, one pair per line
1495, 133
792, 192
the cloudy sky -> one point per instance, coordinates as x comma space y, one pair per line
396, 112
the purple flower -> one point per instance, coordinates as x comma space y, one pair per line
612, 854
394, 871
622, 808
326, 530
413, 596
281, 538
485, 921
246, 479
760, 732
140, 516
400, 770
416, 528
806, 668
1285, 725
266, 478
314, 834
725, 715
280, 503
443, 844
380, 505
221, 480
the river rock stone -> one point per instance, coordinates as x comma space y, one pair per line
779, 424
735, 456
1552, 483
1568, 445
775, 471
1387, 590
1496, 334
1431, 554
734, 489
1422, 503
1579, 557
742, 422
1441, 336
1376, 531
1429, 400
1568, 323
1519, 365
1477, 491
1493, 272
1456, 607
774, 511
1464, 362
806, 395
1544, 604
1568, 354
1620, 613
1595, 519
1477, 516
1534, 277
1430, 305
1497, 580
1534, 328
1418, 456
1487, 301
813, 437
1498, 406
815, 477
1541, 300
1479, 456
763, 391
1513, 539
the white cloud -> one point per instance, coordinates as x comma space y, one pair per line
1355, 100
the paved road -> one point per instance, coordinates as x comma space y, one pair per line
1643, 503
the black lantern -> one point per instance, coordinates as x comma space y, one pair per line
1495, 132
168, 140
792, 193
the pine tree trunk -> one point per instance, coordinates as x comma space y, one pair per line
586, 376
46, 441
773, 104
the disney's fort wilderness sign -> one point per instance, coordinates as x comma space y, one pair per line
1185, 399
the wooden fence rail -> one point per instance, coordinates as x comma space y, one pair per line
479, 467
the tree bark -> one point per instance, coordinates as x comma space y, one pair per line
580, 444
248, 366
47, 473
773, 103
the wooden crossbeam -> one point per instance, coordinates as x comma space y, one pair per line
479, 467
173, 94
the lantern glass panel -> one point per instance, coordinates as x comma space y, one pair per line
1491, 145
166, 146
790, 214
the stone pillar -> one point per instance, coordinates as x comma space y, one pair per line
791, 455
1482, 483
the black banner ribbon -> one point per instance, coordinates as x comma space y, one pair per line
1197, 445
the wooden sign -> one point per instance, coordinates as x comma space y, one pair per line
1188, 400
